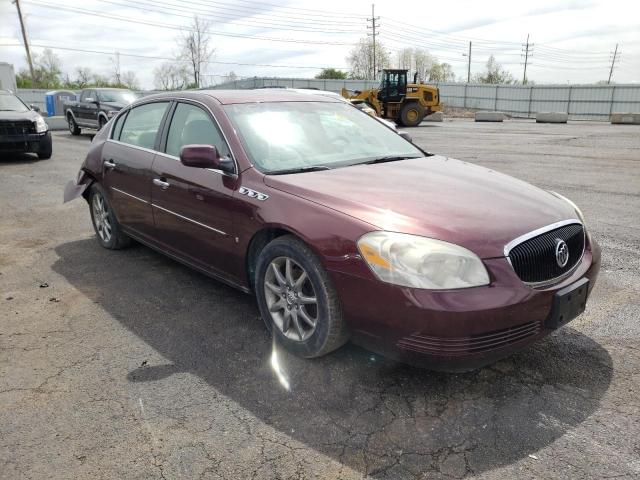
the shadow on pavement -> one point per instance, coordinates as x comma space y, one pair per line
376, 416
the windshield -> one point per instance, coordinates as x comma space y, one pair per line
118, 96
302, 135
12, 104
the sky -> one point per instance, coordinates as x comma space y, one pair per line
572, 41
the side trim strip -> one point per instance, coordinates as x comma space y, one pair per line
129, 195
189, 219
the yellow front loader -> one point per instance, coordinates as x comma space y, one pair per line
405, 103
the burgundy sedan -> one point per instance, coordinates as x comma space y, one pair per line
341, 227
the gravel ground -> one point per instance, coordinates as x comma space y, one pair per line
128, 365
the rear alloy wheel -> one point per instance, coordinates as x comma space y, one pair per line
73, 126
411, 114
297, 299
107, 228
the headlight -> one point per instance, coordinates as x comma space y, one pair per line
419, 262
575, 207
111, 113
41, 125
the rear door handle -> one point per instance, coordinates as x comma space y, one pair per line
161, 183
109, 164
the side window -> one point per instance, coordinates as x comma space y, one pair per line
117, 128
84, 95
141, 125
192, 125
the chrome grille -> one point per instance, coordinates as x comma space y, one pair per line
534, 260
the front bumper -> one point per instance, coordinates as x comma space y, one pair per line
25, 143
454, 329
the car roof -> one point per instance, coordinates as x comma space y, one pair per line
265, 95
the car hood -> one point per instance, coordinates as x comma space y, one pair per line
436, 197
29, 115
114, 105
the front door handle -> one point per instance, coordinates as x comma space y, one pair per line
161, 183
109, 164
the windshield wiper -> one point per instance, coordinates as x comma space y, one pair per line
387, 158
311, 168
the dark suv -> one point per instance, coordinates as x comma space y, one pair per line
22, 128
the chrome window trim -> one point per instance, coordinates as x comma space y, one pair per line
129, 195
226, 140
144, 149
214, 170
188, 219
527, 236
169, 100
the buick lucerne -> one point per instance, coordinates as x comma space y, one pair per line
341, 227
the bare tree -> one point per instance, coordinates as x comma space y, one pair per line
195, 48
405, 58
361, 59
83, 77
171, 76
128, 80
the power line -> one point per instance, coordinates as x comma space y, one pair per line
153, 57
179, 27
298, 26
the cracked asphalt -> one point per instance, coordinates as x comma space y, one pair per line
128, 365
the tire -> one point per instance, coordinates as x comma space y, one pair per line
73, 126
411, 114
45, 148
108, 230
101, 123
327, 330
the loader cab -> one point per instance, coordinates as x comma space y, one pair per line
393, 87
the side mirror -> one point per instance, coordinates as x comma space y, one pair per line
405, 135
34, 108
205, 156
91, 100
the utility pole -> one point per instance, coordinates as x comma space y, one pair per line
26, 42
527, 53
373, 27
469, 64
613, 62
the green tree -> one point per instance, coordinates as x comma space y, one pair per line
494, 74
332, 73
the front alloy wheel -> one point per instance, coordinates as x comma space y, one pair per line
297, 299
291, 299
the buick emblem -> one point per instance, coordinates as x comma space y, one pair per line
562, 253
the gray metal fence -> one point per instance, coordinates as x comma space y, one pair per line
581, 102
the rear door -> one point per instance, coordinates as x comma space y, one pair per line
192, 206
127, 159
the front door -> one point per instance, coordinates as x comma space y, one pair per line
192, 206
127, 159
